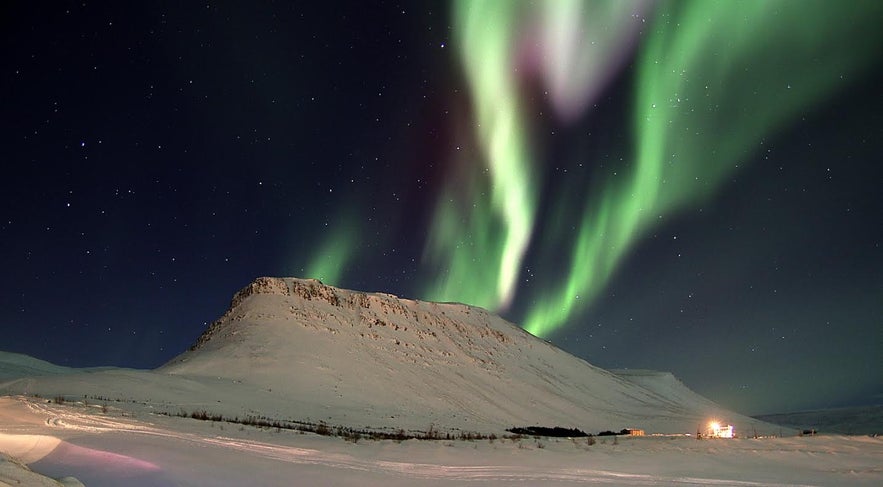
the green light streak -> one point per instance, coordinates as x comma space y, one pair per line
335, 252
466, 277
482, 244
714, 79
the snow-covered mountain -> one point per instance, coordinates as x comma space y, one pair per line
371, 359
296, 350
16, 365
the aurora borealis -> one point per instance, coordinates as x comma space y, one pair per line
501, 197
495, 230
627, 179
694, 123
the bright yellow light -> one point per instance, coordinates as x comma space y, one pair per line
717, 430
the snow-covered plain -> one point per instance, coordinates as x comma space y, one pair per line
295, 350
115, 448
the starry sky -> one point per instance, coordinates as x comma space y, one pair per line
685, 186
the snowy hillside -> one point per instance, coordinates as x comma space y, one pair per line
666, 386
15, 365
297, 350
376, 360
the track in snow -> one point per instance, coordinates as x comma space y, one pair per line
70, 419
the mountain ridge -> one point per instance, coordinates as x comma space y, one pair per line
377, 359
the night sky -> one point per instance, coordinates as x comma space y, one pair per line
689, 186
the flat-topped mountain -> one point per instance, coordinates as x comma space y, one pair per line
376, 360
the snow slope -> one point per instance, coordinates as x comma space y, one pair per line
13, 472
298, 350
15, 365
376, 360
668, 387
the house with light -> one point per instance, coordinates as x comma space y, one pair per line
718, 430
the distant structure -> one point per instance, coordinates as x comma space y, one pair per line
717, 430
634, 432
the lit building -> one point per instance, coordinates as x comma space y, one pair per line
717, 430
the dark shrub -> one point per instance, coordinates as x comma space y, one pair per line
557, 431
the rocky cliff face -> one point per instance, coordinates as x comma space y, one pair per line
373, 316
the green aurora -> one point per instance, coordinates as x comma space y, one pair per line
335, 252
713, 81
482, 242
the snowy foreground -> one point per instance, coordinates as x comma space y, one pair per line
105, 446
